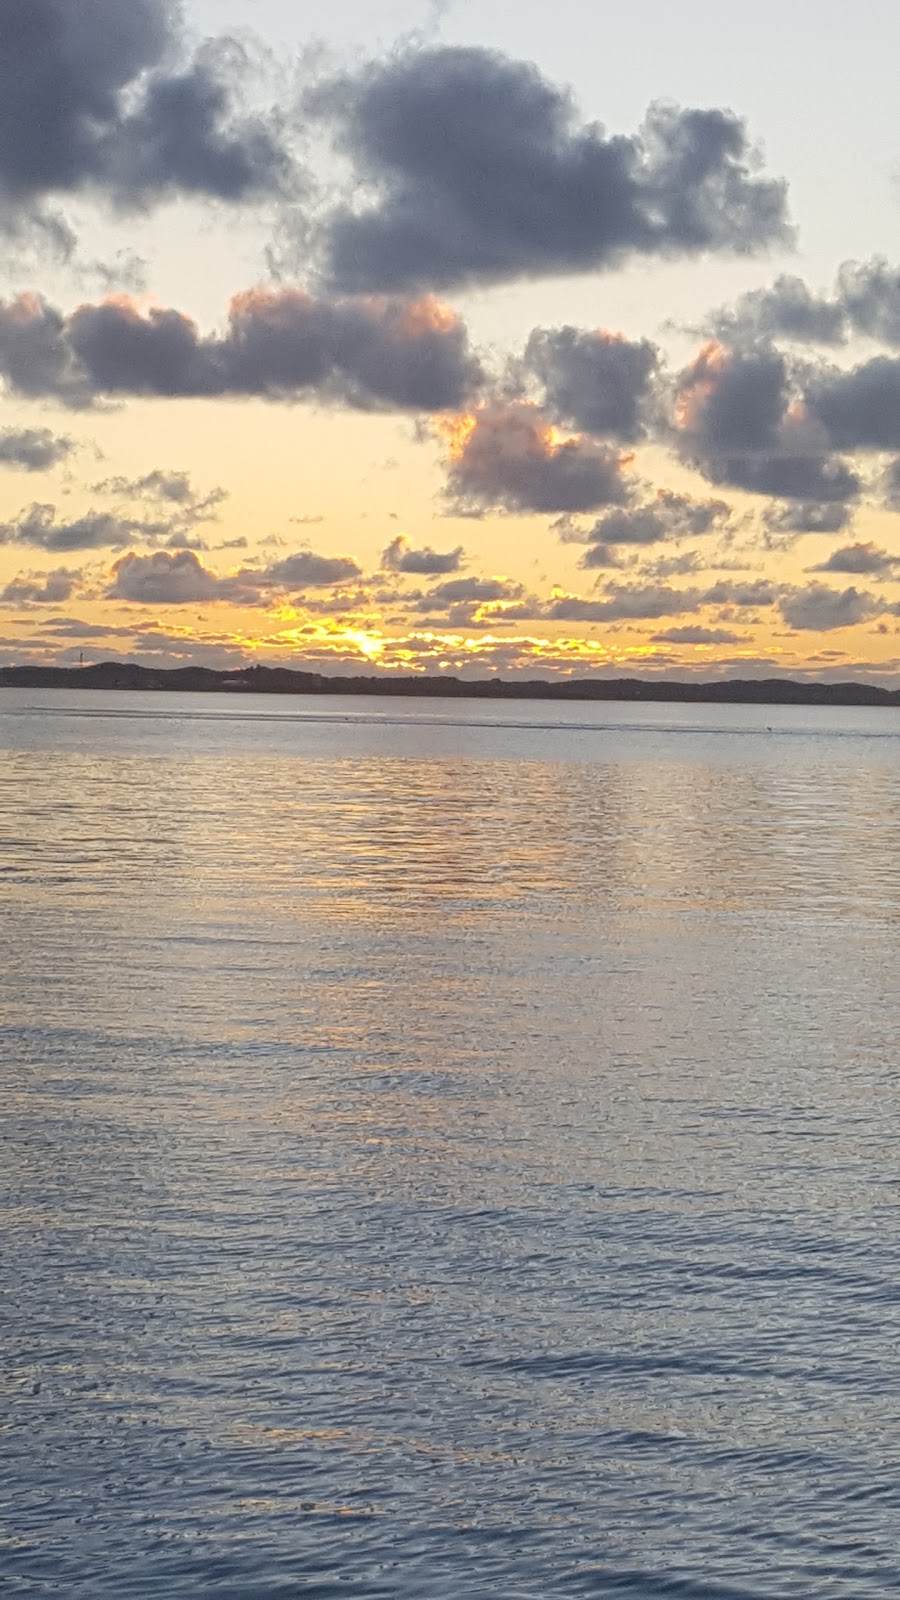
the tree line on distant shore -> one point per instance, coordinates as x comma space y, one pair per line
284, 680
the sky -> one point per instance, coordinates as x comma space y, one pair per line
451, 337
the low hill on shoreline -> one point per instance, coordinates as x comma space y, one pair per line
112, 675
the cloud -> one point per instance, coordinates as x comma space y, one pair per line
469, 591
746, 595
741, 419
729, 401
890, 485
166, 580
125, 273
687, 564
869, 291
476, 603
865, 301
819, 609
172, 506
401, 557
508, 455
627, 603
751, 417
865, 560
858, 409
480, 171
281, 344
691, 635
167, 506
305, 570
33, 449
99, 97
41, 589
816, 608
597, 383
159, 485
35, 359
788, 310
96, 530
607, 556
807, 517
161, 649
75, 628
670, 516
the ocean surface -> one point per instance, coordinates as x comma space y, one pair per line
448, 1149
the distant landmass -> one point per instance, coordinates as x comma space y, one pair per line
283, 680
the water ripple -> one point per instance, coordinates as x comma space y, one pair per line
448, 1154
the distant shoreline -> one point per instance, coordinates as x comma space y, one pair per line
111, 675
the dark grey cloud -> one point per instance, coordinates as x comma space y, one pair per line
870, 293
400, 556
602, 557
507, 612
599, 382
163, 649
75, 628
279, 344
687, 564
807, 517
865, 301
305, 570
744, 419
38, 528
753, 418
814, 608
670, 516
35, 359
171, 505
159, 485
890, 485
102, 97
858, 409
696, 635
475, 603
627, 603
861, 560
787, 310
158, 506
41, 589
33, 449
481, 171
745, 595
466, 591
509, 457
162, 579
184, 539
819, 609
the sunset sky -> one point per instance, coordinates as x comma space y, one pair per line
459, 337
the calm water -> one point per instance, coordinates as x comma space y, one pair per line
448, 1150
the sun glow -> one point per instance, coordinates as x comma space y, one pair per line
455, 432
701, 382
370, 645
427, 315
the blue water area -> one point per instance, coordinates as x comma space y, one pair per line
448, 1150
